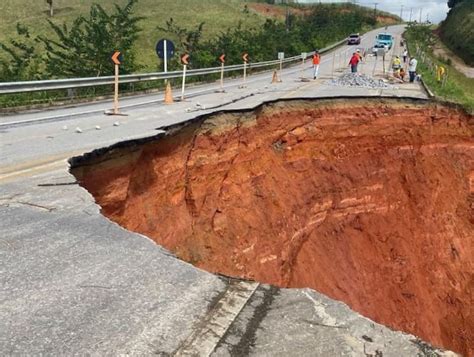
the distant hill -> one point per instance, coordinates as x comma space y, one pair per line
218, 16
457, 31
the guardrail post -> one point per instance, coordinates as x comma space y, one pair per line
281, 68
222, 77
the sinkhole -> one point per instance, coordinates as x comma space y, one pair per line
369, 201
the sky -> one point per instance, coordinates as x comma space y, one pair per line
435, 10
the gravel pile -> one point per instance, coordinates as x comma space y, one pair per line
358, 80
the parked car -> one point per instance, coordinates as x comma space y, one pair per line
353, 39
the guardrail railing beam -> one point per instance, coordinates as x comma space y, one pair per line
57, 84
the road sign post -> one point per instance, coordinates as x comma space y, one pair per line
165, 50
165, 58
116, 59
245, 58
333, 61
375, 64
116, 90
184, 61
281, 56
184, 82
383, 62
304, 55
222, 60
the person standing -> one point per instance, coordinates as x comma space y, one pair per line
412, 69
316, 62
396, 65
354, 61
405, 55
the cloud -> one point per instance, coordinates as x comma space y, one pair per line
434, 10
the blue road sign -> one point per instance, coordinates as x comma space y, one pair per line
160, 48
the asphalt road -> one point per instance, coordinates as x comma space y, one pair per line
72, 282
34, 139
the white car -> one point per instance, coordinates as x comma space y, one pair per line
377, 47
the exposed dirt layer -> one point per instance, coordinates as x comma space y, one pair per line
277, 11
368, 201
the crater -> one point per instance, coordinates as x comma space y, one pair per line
369, 201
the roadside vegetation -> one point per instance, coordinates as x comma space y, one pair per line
457, 31
79, 45
456, 87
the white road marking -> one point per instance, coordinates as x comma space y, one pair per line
204, 340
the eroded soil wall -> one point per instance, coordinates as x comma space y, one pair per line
369, 202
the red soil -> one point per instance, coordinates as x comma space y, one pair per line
386, 20
279, 12
369, 202
275, 10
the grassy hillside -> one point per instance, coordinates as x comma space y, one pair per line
457, 31
218, 15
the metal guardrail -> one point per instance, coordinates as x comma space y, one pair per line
55, 84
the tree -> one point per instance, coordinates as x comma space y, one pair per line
22, 61
453, 3
51, 9
187, 41
84, 49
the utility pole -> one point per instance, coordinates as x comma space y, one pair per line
287, 21
421, 11
411, 13
401, 13
375, 10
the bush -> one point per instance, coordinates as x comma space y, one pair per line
457, 31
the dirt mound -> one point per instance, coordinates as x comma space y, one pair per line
368, 201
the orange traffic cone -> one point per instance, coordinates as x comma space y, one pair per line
275, 77
168, 94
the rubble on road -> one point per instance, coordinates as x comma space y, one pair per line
358, 80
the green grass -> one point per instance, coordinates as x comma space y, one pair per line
458, 87
217, 14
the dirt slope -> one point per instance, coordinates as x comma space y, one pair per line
369, 202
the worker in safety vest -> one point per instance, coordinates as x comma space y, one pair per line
396, 65
354, 61
316, 62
